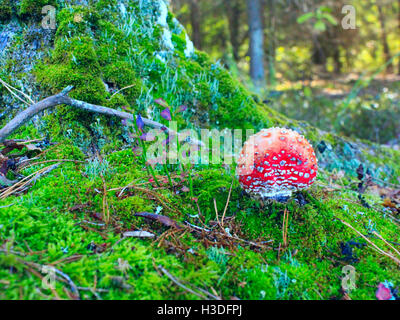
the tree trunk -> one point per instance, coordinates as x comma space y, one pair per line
271, 42
256, 50
233, 10
318, 56
195, 22
386, 51
337, 62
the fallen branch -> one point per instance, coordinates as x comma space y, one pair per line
62, 98
7, 206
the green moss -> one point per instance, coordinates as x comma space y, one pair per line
57, 77
179, 41
6, 10
33, 8
106, 5
121, 76
203, 58
78, 53
74, 61
62, 212
117, 101
60, 237
315, 236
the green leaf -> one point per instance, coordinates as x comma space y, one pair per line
307, 92
303, 18
325, 9
320, 26
331, 19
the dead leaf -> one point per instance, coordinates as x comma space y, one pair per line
79, 207
166, 221
11, 145
389, 204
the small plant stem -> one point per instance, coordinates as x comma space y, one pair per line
106, 208
190, 185
168, 175
149, 168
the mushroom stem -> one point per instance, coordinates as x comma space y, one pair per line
281, 196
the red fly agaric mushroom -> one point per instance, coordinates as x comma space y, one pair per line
275, 162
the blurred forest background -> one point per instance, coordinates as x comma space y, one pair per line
299, 58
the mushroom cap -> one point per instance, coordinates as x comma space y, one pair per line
275, 162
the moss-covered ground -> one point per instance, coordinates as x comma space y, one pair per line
60, 222
74, 218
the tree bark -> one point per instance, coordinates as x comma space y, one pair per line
319, 56
195, 19
256, 50
337, 62
233, 10
386, 50
272, 42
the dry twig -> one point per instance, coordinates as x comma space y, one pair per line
186, 288
19, 186
227, 203
106, 208
396, 260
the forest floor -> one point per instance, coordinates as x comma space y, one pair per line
84, 216
101, 228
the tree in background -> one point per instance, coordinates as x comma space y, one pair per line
234, 12
256, 45
195, 19
271, 41
386, 50
317, 47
